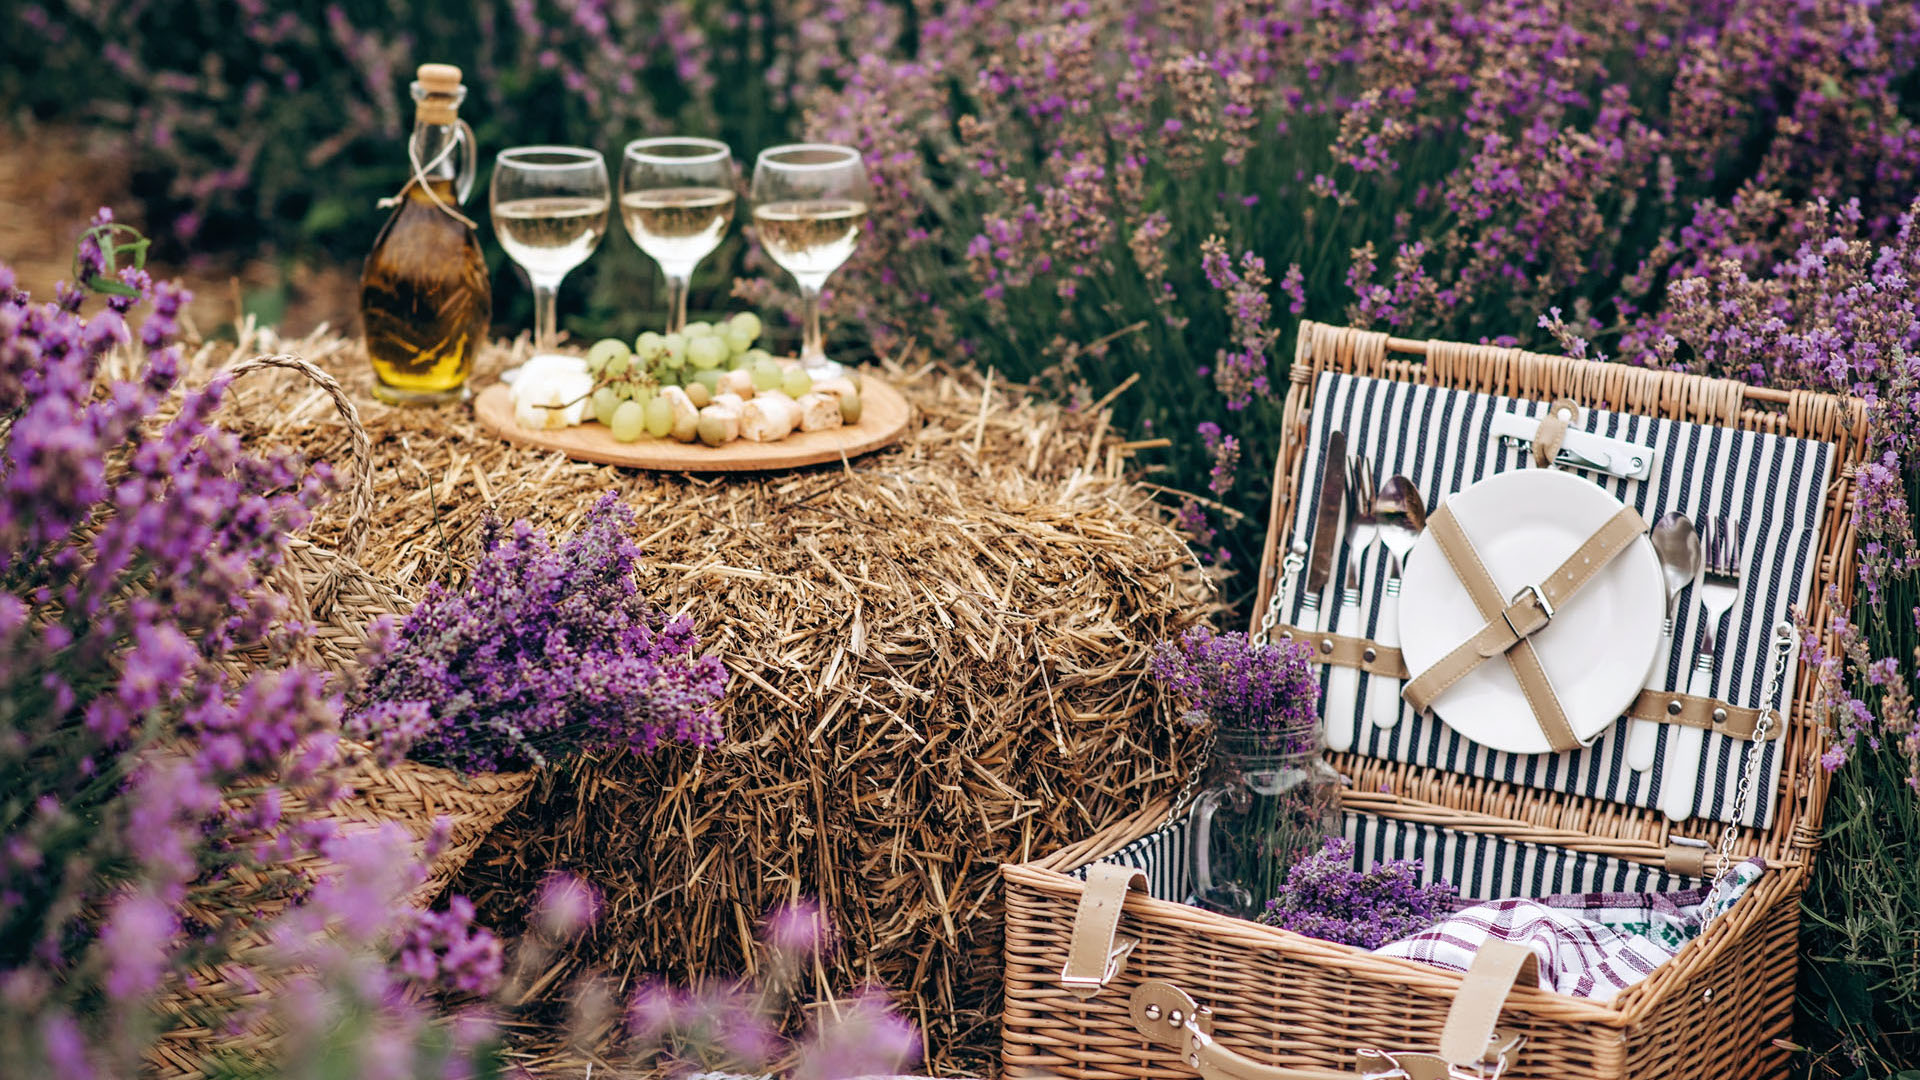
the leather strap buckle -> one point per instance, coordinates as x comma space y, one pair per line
1088, 985
1540, 606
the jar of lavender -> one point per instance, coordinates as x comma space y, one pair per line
1265, 803
1265, 796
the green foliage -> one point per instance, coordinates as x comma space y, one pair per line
1859, 1002
273, 128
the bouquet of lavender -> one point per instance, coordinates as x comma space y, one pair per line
1326, 898
543, 652
1268, 798
1225, 679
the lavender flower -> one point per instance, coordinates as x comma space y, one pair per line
567, 906
1326, 898
735, 1025
1224, 679
544, 651
151, 728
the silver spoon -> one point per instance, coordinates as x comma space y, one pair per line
1400, 515
1677, 543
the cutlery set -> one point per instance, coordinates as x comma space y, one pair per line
1358, 516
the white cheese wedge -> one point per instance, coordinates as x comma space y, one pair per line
551, 392
737, 383
837, 387
818, 412
686, 418
769, 417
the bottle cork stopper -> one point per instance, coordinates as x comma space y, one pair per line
438, 78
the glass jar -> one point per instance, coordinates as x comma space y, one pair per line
1265, 802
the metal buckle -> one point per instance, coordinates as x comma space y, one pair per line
1539, 601
1407, 1065
1122, 948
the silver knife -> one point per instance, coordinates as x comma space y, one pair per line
1328, 518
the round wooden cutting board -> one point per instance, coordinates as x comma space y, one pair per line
883, 417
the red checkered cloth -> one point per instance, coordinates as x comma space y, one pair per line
1590, 945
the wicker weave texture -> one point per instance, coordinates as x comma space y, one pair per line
1713, 1011
223, 1009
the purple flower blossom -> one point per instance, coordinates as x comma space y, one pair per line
544, 651
1327, 898
567, 906
154, 727
1224, 679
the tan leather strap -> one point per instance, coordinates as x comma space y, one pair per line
1686, 860
1165, 1014
1705, 713
1653, 706
1497, 967
1096, 952
1553, 432
1344, 651
1510, 624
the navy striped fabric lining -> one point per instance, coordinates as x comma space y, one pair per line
1482, 867
1442, 440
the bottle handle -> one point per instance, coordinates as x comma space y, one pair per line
469, 163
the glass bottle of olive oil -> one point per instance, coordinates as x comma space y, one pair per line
425, 299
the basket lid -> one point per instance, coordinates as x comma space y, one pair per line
1777, 462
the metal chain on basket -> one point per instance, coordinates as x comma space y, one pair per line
1289, 568
1785, 639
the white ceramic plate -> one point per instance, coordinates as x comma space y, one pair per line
1598, 647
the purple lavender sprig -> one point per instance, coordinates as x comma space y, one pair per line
151, 728
1326, 898
1225, 679
544, 652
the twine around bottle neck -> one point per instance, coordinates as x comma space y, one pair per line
420, 178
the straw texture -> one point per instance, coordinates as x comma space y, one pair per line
1711, 1012
938, 656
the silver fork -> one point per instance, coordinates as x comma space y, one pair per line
1343, 683
1718, 590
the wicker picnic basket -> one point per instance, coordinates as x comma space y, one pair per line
1108, 978
220, 1010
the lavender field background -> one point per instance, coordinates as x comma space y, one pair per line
1076, 192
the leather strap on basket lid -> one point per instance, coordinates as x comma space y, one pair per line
1511, 623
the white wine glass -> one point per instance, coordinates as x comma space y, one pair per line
550, 211
809, 207
676, 198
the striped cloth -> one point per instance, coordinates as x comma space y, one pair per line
1590, 945
1480, 866
1442, 441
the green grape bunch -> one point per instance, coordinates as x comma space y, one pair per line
628, 395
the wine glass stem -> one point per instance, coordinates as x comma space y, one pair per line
813, 347
677, 283
546, 330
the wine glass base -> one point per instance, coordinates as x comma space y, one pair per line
819, 367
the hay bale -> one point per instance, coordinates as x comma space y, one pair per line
938, 659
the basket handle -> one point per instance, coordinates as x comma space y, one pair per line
1163, 1013
360, 493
